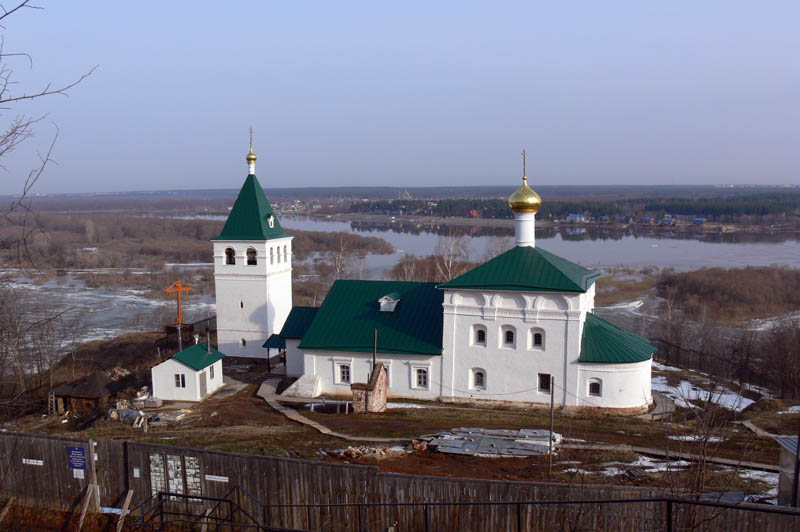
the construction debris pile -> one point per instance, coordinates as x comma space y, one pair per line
488, 442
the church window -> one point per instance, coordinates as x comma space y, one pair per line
230, 256
422, 378
279, 254
595, 388
478, 379
508, 336
272, 255
243, 342
479, 335
211, 372
344, 373
536, 339
271, 221
241, 304
544, 382
285, 254
251, 257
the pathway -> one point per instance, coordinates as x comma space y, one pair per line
267, 392
672, 455
664, 408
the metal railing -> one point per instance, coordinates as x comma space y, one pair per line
671, 513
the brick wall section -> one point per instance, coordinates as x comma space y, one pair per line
371, 397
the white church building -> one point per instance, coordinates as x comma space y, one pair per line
514, 329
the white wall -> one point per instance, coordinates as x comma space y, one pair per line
294, 358
164, 382
163, 376
621, 385
401, 368
252, 301
512, 373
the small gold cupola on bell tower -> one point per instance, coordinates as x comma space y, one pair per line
251, 157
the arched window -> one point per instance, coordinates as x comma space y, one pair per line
478, 379
279, 254
285, 254
251, 257
272, 255
536, 339
508, 337
230, 256
595, 387
478, 335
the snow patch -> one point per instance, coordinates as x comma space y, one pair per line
686, 392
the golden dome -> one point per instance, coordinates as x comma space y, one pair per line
525, 199
251, 157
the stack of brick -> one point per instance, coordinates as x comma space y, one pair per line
371, 397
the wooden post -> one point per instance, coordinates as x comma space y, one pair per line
6, 508
125, 505
204, 528
93, 474
85, 505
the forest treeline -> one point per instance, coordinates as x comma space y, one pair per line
98, 241
734, 294
722, 208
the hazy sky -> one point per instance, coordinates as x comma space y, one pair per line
410, 93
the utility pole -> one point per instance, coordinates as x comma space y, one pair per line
374, 351
795, 502
552, 413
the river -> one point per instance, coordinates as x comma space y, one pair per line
110, 312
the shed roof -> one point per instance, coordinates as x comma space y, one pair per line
525, 268
274, 342
249, 217
93, 386
788, 442
298, 321
198, 357
351, 312
603, 342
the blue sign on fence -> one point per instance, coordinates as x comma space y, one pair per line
77, 457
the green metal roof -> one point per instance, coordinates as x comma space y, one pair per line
249, 216
605, 343
197, 357
298, 321
525, 268
274, 342
350, 313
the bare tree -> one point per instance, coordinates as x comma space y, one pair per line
451, 255
406, 269
20, 128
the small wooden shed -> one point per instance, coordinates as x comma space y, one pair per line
91, 392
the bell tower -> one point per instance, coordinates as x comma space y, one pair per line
252, 271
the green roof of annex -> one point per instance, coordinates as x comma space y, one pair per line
605, 343
351, 312
198, 357
250, 216
525, 268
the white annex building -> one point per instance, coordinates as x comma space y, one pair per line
510, 330
190, 375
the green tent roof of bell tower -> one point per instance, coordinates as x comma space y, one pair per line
250, 216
